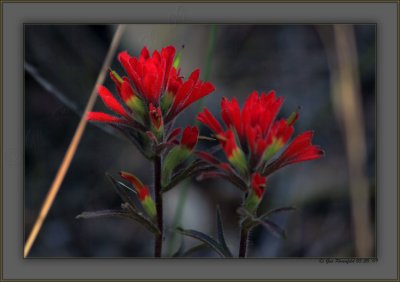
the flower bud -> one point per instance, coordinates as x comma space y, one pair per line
142, 192
256, 193
156, 120
180, 153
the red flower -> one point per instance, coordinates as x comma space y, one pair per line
152, 83
189, 137
255, 131
158, 82
125, 115
183, 94
149, 74
299, 150
209, 120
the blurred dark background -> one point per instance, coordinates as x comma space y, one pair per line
299, 61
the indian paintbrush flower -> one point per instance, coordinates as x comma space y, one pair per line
252, 139
152, 94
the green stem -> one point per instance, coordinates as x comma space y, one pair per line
159, 206
178, 216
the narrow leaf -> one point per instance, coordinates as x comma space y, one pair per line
205, 239
194, 249
140, 218
103, 213
273, 228
220, 232
125, 193
207, 138
132, 136
274, 211
184, 173
180, 250
128, 213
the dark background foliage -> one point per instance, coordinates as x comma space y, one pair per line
292, 59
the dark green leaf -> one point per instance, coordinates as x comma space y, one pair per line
273, 228
103, 213
278, 210
127, 211
180, 251
220, 232
184, 173
205, 239
194, 249
141, 218
127, 194
207, 138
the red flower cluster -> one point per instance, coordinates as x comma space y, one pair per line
254, 135
152, 94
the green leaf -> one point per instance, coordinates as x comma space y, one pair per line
175, 156
274, 211
103, 213
127, 194
127, 211
205, 239
194, 249
141, 218
273, 228
180, 250
194, 168
206, 138
220, 232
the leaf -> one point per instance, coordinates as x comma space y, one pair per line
180, 250
277, 210
133, 136
184, 173
194, 249
273, 228
140, 218
103, 213
205, 239
207, 138
126, 212
220, 232
123, 191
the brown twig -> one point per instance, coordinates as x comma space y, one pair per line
55, 186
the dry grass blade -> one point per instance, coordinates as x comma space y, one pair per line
348, 94
55, 186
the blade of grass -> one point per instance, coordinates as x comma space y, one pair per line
51, 89
55, 186
348, 93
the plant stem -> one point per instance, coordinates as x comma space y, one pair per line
159, 206
244, 234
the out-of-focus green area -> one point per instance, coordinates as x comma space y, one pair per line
291, 59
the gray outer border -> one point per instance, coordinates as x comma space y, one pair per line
15, 14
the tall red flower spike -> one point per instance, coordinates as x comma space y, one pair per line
254, 135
